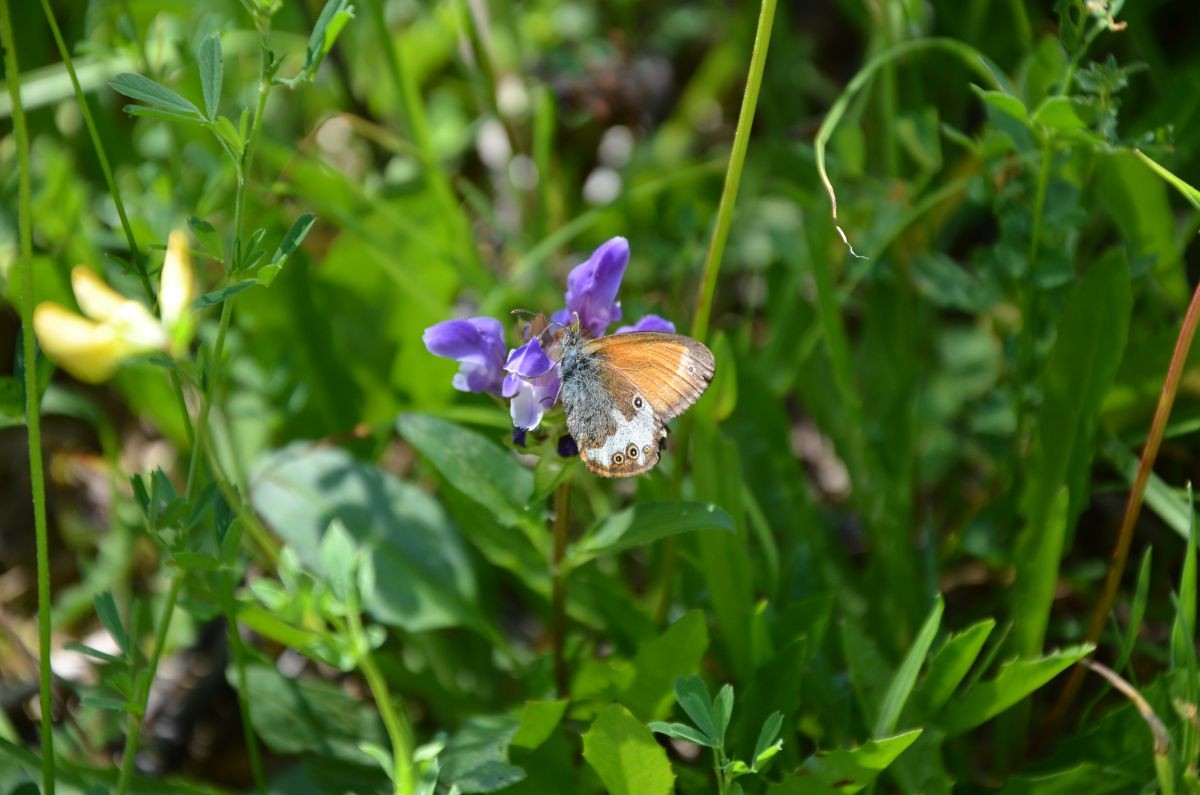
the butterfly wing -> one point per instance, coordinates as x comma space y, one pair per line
616, 428
670, 370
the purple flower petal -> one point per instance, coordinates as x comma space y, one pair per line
525, 409
478, 344
529, 360
649, 323
592, 287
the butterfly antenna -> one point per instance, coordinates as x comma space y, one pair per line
549, 321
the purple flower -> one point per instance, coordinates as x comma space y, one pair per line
529, 360
649, 323
478, 345
592, 289
531, 397
527, 376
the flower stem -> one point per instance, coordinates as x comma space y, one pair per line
394, 719
33, 417
129, 757
562, 506
733, 174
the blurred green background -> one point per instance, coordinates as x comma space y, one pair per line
959, 413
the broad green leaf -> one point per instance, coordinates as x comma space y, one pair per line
950, 665
211, 73
845, 771
625, 755
1081, 367
538, 720
146, 111
1015, 681
142, 88
644, 523
906, 676
110, 617
476, 757
1004, 102
662, 660
724, 557
298, 716
1059, 114
415, 571
471, 463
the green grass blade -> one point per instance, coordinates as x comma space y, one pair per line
906, 676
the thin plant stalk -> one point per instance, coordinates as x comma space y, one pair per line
85, 110
395, 720
210, 383
562, 507
1133, 507
33, 417
733, 173
712, 264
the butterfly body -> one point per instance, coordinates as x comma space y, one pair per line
620, 390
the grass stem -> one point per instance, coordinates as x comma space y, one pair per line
562, 507
33, 409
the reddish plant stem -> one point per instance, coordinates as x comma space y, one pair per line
1116, 566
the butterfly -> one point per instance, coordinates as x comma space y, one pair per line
619, 392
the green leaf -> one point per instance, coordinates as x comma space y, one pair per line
1082, 365
339, 559
291, 241
1059, 114
766, 745
1015, 681
1183, 630
473, 464
723, 710
950, 665
662, 660
110, 617
301, 716
1003, 102
211, 73
415, 573
83, 648
148, 112
142, 88
222, 295
625, 756
208, 236
538, 720
845, 771
681, 731
692, 695
476, 757
906, 676
644, 523
1137, 612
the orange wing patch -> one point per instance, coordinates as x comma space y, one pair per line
671, 370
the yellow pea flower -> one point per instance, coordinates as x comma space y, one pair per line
113, 328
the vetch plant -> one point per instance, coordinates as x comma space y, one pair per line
114, 328
710, 719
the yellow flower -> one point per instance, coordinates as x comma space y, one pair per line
113, 328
